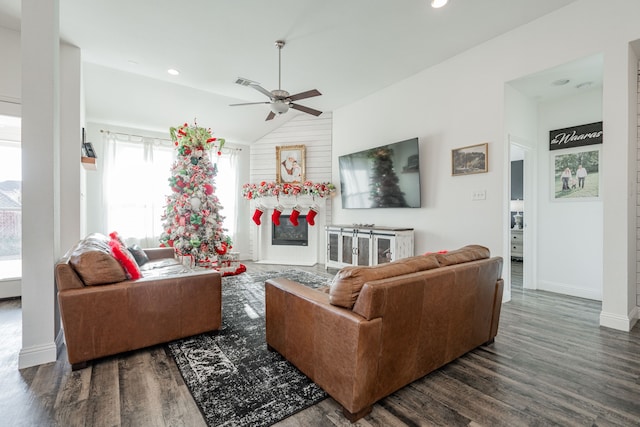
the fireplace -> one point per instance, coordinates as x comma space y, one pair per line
286, 234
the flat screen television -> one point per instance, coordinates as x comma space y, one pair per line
382, 177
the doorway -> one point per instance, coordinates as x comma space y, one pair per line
522, 217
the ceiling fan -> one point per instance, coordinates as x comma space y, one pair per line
280, 101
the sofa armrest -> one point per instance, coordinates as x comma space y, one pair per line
159, 253
335, 347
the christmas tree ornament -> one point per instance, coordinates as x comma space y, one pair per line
195, 203
275, 216
293, 218
222, 249
313, 211
257, 214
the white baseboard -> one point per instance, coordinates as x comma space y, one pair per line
10, 288
563, 288
621, 323
37, 355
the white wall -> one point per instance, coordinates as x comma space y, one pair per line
461, 102
638, 194
570, 231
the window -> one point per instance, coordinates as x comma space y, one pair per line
10, 198
135, 183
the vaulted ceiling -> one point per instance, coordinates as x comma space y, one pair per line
345, 49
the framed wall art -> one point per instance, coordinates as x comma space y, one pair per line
290, 164
469, 160
576, 174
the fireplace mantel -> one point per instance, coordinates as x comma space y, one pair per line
266, 253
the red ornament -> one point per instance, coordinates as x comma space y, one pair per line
222, 250
208, 189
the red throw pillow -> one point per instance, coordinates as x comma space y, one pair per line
125, 259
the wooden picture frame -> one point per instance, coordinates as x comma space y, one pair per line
290, 164
469, 160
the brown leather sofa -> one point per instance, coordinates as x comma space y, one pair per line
380, 328
103, 313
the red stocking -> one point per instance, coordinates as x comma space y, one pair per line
257, 214
294, 216
275, 217
311, 215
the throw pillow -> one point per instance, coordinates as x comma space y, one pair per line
139, 255
125, 259
91, 258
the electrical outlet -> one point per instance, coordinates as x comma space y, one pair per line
479, 195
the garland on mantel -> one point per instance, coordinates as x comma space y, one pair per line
272, 189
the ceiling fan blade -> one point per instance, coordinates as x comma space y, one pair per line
303, 95
262, 90
305, 109
270, 116
249, 103
246, 82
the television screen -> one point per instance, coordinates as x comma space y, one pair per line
382, 177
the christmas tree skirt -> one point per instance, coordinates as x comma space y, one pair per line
232, 376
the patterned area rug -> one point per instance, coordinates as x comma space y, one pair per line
232, 376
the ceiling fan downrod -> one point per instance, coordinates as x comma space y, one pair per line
279, 45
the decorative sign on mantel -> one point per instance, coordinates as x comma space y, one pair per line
576, 136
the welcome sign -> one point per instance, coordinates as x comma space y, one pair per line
577, 136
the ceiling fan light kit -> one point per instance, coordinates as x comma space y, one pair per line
280, 101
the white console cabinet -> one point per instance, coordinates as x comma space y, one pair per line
366, 245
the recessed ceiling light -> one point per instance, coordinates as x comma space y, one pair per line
173, 71
561, 82
438, 3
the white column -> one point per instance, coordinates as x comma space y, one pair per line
40, 178
71, 124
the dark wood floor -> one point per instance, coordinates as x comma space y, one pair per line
551, 364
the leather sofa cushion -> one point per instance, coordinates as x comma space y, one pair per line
465, 254
91, 258
348, 282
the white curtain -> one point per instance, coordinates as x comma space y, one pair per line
136, 173
227, 184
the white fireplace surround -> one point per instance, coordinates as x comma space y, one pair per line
266, 253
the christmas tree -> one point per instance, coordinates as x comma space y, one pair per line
192, 222
385, 191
